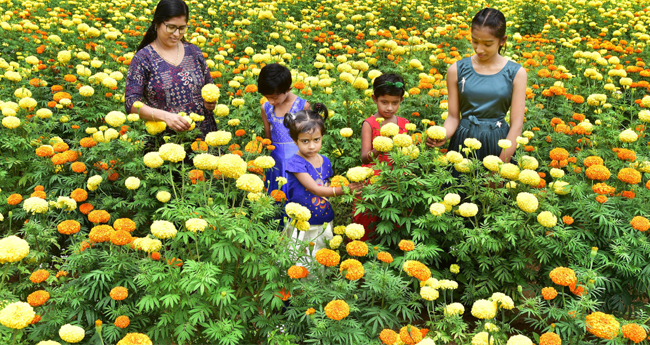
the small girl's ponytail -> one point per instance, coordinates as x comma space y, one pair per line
289, 120
305, 121
321, 109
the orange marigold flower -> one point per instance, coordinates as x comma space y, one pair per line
593, 160
99, 216
388, 336
278, 195
60, 147
418, 270
628, 194
299, 85
124, 224
568, 220
68, 227
634, 332
251, 88
121, 237
385, 257
601, 199
327, 257
602, 325
578, 117
78, 167
119, 293
337, 310
38, 298
45, 151
558, 154
406, 245
59, 159
563, 276
39, 194
61, 274
284, 295
79, 195
36, 319
87, 142
602, 189
122, 321
199, 145
576, 289
357, 248
155, 256
549, 338
253, 146
70, 78
14, 199
61, 95
353, 268
310, 311
86, 208
101, 233
629, 175
549, 293
240, 132
196, 175
297, 272
39, 276
626, 155
598, 173
640, 223
412, 337
84, 245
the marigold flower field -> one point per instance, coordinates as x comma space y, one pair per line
112, 233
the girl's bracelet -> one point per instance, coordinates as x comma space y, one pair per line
334, 191
152, 116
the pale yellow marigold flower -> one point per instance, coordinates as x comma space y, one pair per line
163, 229
510, 171
250, 183
115, 118
340, 230
437, 133
71, 334
35, 205
527, 202
428, 293
163, 196
335, 242
355, 231
547, 219
529, 177
389, 130
172, 152
346, 132
206, 161
437, 209
153, 160
557, 173
628, 136
484, 309
560, 187
454, 309
132, 183
13, 249
528, 162
454, 157
210, 92
492, 163
196, 224
218, 138
468, 209
232, 166
297, 211
402, 140
264, 162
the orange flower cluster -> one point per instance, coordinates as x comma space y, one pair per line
388, 336
120, 237
357, 248
254, 169
629, 175
122, 321
550, 339
119, 293
603, 189
602, 325
297, 272
310, 311
45, 151
626, 155
278, 195
549, 293
598, 173
14, 199
327, 257
68, 227
101, 233
199, 146
99, 216
559, 154
568, 220
86, 208
385, 257
418, 270
124, 224
87, 142
79, 195
412, 337
601, 199
337, 310
353, 268
284, 295
78, 167
406, 245
640, 223
39, 276
634, 332
563, 276
38, 298
196, 175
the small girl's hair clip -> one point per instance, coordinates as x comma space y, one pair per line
396, 84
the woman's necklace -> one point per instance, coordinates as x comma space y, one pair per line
178, 51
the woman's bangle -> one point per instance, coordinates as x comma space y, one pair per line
152, 116
368, 155
334, 191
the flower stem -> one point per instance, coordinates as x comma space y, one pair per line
4, 275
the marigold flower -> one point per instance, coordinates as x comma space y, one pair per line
68, 227
250, 183
353, 268
634, 332
39, 276
492, 163
454, 309
101, 233
135, 339
593, 160
99, 216
121, 237
601, 199
550, 339
410, 335
519, 340
406, 245
38, 298
628, 136
568, 220
172, 152
119, 293
122, 321
163, 229
563, 276
339, 181
428, 293
337, 310
17, 315
602, 325
629, 175
527, 202
640, 223
481, 338
297, 272
385, 257
417, 269
232, 166
382, 144
327, 257
297, 211
45, 151
484, 309
388, 336
310, 311
510, 171
71, 334
468, 209
357, 248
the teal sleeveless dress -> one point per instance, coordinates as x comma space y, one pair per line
484, 101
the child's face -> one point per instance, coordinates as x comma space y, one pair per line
309, 144
485, 44
277, 99
387, 105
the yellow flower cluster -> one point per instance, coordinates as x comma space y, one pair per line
196, 224
382, 143
596, 99
222, 110
463, 166
473, 143
172, 152
44, 113
250, 183
147, 244
35, 205
428, 293
389, 130
155, 127
71, 334
346, 132
115, 118
355, 231
481, 338
206, 161
644, 115
446, 284
628, 136
529, 177
86, 91
505, 143
519, 340
132, 183
503, 300
484, 309
527, 202
510, 171
340, 230
297, 212
402, 140
547, 219
492, 163
560, 187
437, 209
210, 93
437, 133
454, 157
218, 138
17, 315
528, 162
454, 309
163, 229
557, 173
264, 162
232, 166
468, 209
336, 241
135, 339
163, 196
11, 122
66, 203
358, 174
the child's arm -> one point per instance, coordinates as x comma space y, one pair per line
308, 182
267, 126
453, 117
367, 152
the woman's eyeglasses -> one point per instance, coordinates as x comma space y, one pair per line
171, 28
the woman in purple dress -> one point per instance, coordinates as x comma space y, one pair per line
167, 73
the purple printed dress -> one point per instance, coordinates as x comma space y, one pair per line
284, 145
159, 84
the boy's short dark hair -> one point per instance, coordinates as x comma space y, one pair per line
274, 79
388, 84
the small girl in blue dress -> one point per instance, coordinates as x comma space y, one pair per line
309, 174
274, 83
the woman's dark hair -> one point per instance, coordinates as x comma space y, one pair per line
164, 10
388, 84
306, 121
494, 20
274, 79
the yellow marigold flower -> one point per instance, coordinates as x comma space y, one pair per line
357, 174
232, 166
48, 342
454, 309
510, 171
196, 224
355, 231
484, 309
455, 269
527, 202
557, 173
132, 183
163, 196
447, 284
327, 257
297, 211
346, 132
44, 113
560, 187
155, 127
528, 162
150, 245
360, 83
389, 130
382, 144
503, 300
473, 143
468, 209
432, 282
336, 241
12, 249
519, 340
563, 276
340, 230
210, 92
602, 325
463, 166
644, 115
357, 248
437, 133
27, 103
222, 110
505, 143
11, 122
490, 327
481, 338
337, 310
353, 268
547, 219
250, 183
115, 118
402, 140
628, 136
35, 205
410, 127
163, 229
205, 161
71, 334
428, 293
264, 162
452, 199
492, 163
135, 339
437, 209
454, 157
86, 91
17, 315
529, 177
412, 151
172, 152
